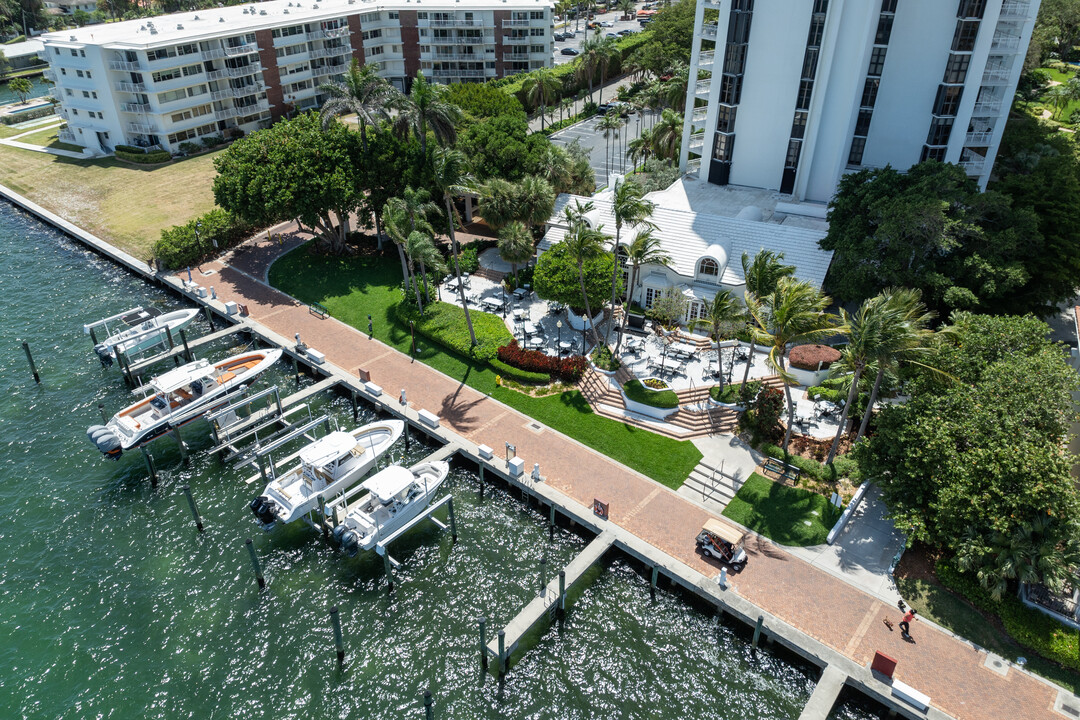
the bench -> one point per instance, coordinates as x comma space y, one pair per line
910, 695
317, 309
782, 470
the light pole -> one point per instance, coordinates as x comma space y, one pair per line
558, 324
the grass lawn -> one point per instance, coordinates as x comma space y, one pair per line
787, 515
352, 287
1056, 73
948, 610
129, 205
49, 137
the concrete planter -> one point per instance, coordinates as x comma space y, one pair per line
609, 373
649, 410
808, 378
730, 406
578, 323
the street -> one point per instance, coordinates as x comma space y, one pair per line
579, 25
594, 143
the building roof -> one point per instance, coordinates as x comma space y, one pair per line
21, 49
689, 236
236, 19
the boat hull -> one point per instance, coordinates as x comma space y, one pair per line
176, 321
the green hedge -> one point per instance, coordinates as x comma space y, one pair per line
1027, 626
28, 115
178, 246
150, 158
637, 392
444, 324
523, 376
132, 149
830, 394
843, 466
567, 122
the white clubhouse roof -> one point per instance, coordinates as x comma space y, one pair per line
21, 49
689, 236
236, 19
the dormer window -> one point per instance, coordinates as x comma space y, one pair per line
709, 268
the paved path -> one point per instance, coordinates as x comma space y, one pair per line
14, 142
821, 605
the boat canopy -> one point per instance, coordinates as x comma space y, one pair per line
181, 376
326, 450
388, 483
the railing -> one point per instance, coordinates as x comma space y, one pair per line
330, 34
978, 139
131, 87
234, 51
518, 40
973, 167
55, 92
143, 128
697, 141
705, 58
455, 22
708, 30
66, 136
331, 52
703, 87
700, 114
49, 74
992, 107
125, 65
1015, 9
445, 72
1005, 43
995, 75
516, 23
330, 69
512, 57
233, 112
237, 92
461, 41
233, 72
135, 107
693, 167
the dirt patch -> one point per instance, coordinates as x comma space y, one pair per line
918, 563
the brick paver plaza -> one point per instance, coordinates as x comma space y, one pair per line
949, 670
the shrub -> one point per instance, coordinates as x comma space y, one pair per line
131, 149
602, 358
807, 357
590, 108
763, 416
145, 158
1026, 625
843, 466
189, 148
637, 392
468, 259
734, 394
522, 376
178, 246
444, 324
210, 141
568, 369
825, 393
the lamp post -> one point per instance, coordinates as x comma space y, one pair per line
503, 288
558, 324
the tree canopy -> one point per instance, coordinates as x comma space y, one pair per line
502, 147
556, 278
672, 38
976, 460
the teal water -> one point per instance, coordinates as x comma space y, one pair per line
112, 606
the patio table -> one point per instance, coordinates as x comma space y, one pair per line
826, 408
519, 313
564, 346
530, 328
491, 303
519, 293
536, 342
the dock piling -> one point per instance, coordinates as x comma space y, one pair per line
757, 629
355, 409
104, 417
180, 442
322, 517
30, 359
296, 370
502, 654
429, 705
194, 510
652, 583
169, 337
187, 350
386, 567
561, 611
481, 481
551, 524
210, 318
150, 467
339, 640
453, 522
543, 574
255, 564
93, 336
483, 643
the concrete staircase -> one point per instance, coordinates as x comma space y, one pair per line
708, 485
488, 273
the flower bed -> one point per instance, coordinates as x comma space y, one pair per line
640, 391
568, 369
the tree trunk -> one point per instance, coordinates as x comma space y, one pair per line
719, 358
378, 230
423, 271
416, 287
790, 405
404, 266
614, 280
870, 405
852, 394
457, 269
749, 361
588, 311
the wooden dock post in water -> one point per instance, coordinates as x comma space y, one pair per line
150, 467
30, 359
652, 583
543, 574
210, 318
453, 522
429, 705
483, 643
502, 654
322, 517
180, 442
187, 350
386, 567
561, 612
194, 510
481, 481
551, 524
255, 564
355, 409
339, 641
757, 630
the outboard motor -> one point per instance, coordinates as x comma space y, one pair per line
105, 440
350, 543
337, 532
263, 508
105, 354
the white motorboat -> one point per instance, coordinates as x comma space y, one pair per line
394, 497
328, 467
140, 329
178, 397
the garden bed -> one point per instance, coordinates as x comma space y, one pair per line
638, 391
786, 515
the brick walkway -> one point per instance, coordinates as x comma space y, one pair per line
837, 614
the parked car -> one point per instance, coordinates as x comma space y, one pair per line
613, 35
569, 33
627, 31
607, 23
558, 37
569, 51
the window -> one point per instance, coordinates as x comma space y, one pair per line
696, 311
181, 136
798, 125
877, 62
67, 91
56, 51
869, 93
171, 96
806, 89
82, 53
971, 8
85, 94
932, 153
88, 74
79, 73
862, 124
725, 118
393, 15
956, 69
817, 29
809, 65
723, 146
93, 95
964, 38
377, 50
709, 267
948, 99
940, 129
63, 71
884, 30
734, 59
421, 16
730, 89
888, 6
372, 34
739, 27
794, 147
536, 15
74, 111
858, 146
650, 296
73, 53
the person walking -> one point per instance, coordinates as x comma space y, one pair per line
905, 624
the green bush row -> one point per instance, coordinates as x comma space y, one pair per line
830, 394
842, 466
1027, 626
567, 122
445, 324
637, 392
180, 246
131, 149
28, 115
522, 376
150, 158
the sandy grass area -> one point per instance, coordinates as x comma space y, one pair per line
126, 204
49, 137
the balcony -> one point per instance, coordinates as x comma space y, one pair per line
50, 74
708, 30
693, 167
979, 139
229, 93
995, 76
233, 72
125, 66
463, 41
702, 88
444, 72
973, 167
55, 93
67, 136
516, 23
705, 58
1015, 10
234, 51
1004, 43
331, 52
457, 22
131, 87
235, 112
509, 57
135, 107
143, 128
697, 141
519, 40
329, 34
329, 69
987, 107
700, 114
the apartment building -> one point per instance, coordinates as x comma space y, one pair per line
177, 78
793, 94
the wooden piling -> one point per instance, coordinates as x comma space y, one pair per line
483, 643
453, 522
180, 442
429, 705
355, 409
561, 612
322, 517
481, 481
150, 467
543, 574
93, 337
209, 317
169, 337
255, 564
30, 359
551, 523
295, 369
757, 630
339, 640
502, 654
194, 510
187, 350
652, 582
389, 570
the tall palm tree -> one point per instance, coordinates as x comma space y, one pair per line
640, 148
793, 314
404, 215
540, 89
498, 203
426, 108
587, 61
584, 243
556, 167
414, 246
608, 54
667, 134
724, 311
421, 249
362, 92
631, 209
905, 336
609, 126
627, 7
535, 200
644, 249
674, 90
452, 178
760, 276
515, 245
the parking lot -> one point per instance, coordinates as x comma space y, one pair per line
575, 42
594, 143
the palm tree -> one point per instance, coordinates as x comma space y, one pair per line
515, 245
905, 335
640, 148
535, 200
584, 243
674, 90
793, 314
627, 7
22, 87
540, 88
644, 249
587, 61
724, 311
556, 166
363, 93
421, 249
452, 178
424, 108
414, 247
607, 54
407, 214
498, 203
609, 125
667, 135
760, 276
632, 209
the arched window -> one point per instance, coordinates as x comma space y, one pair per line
708, 266
624, 256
